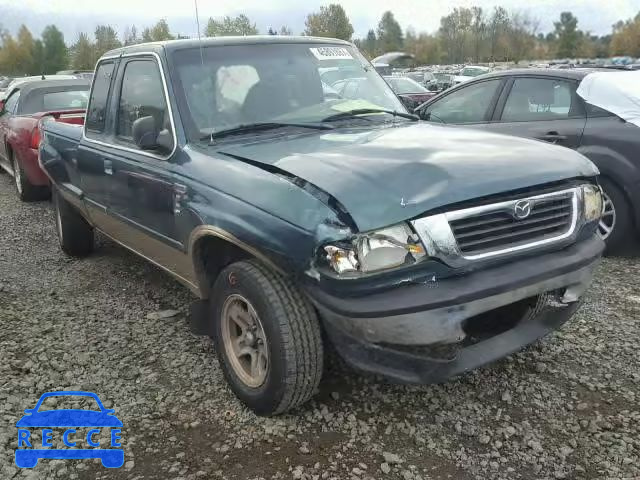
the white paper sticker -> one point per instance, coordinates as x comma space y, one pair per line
331, 53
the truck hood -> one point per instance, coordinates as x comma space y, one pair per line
390, 174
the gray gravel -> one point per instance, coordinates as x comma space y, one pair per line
568, 407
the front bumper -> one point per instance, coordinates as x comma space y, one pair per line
382, 333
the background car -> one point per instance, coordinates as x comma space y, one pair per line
65, 100
13, 85
409, 91
469, 73
543, 104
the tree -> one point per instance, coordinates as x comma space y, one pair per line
55, 55
568, 35
83, 54
479, 31
370, 44
284, 30
130, 36
106, 39
10, 62
229, 26
330, 21
158, 32
522, 35
455, 34
626, 38
389, 34
26, 45
497, 28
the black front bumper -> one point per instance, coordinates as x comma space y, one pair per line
381, 333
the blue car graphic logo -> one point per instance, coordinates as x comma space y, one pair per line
68, 419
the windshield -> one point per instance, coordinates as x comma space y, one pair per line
246, 84
405, 85
473, 71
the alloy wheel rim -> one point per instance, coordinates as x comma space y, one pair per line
244, 340
59, 224
17, 175
608, 220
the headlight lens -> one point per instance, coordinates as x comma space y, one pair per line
374, 251
593, 204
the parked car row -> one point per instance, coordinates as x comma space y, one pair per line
283, 182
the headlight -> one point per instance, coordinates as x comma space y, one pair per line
374, 251
593, 204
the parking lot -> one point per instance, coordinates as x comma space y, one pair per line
567, 407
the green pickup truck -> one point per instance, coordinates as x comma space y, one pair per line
302, 218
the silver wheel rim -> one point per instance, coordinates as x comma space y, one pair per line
59, 224
244, 341
608, 219
17, 175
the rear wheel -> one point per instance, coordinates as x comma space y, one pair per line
616, 225
74, 233
27, 192
267, 338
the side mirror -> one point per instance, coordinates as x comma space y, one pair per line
144, 132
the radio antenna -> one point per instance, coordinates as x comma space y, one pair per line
195, 2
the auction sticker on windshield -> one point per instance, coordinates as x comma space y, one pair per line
91, 431
330, 53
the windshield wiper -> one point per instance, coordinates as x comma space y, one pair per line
256, 127
365, 111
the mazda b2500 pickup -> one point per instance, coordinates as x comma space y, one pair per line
302, 219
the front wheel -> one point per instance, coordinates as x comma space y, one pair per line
267, 338
616, 225
74, 232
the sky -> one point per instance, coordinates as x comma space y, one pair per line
74, 16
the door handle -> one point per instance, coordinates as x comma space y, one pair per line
553, 137
108, 167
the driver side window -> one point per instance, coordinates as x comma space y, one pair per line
467, 105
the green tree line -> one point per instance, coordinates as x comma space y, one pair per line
466, 34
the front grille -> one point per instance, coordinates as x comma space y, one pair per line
496, 229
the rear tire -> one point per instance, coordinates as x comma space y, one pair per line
288, 338
27, 192
74, 232
619, 220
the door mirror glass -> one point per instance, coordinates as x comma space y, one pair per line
144, 133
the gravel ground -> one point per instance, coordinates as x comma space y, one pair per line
567, 407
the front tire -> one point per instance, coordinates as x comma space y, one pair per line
616, 226
267, 338
74, 232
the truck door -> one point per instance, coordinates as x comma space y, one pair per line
143, 191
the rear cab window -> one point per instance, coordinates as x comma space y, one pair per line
98, 100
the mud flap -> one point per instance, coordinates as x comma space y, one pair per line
199, 320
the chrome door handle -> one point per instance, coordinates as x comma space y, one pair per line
108, 167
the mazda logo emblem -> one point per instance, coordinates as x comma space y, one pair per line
522, 209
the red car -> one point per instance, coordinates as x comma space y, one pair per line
64, 100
